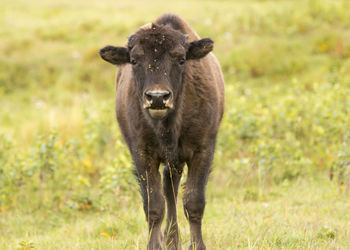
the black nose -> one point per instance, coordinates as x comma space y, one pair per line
157, 99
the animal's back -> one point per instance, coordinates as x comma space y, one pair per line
178, 23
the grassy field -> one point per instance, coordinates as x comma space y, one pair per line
281, 172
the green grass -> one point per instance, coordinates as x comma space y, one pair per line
281, 172
302, 215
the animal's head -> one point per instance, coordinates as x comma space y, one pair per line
158, 55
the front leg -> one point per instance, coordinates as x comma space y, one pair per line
171, 180
194, 197
151, 190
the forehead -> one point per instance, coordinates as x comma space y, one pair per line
157, 40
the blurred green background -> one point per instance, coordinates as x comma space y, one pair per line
281, 172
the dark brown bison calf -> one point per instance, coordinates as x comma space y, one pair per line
170, 101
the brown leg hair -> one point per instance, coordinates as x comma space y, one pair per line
194, 197
153, 199
171, 181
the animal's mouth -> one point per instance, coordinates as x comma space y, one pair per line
158, 113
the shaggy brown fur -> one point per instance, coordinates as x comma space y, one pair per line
170, 101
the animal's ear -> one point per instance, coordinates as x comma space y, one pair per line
115, 55
199, 48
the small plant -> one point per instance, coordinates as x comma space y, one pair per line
26, 245
326, 232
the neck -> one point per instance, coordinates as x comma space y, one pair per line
168, 133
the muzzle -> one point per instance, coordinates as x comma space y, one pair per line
158, 102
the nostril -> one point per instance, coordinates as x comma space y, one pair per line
166, 96
157, 99
149, 96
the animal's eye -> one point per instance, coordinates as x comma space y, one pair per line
182, 61
133, 61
